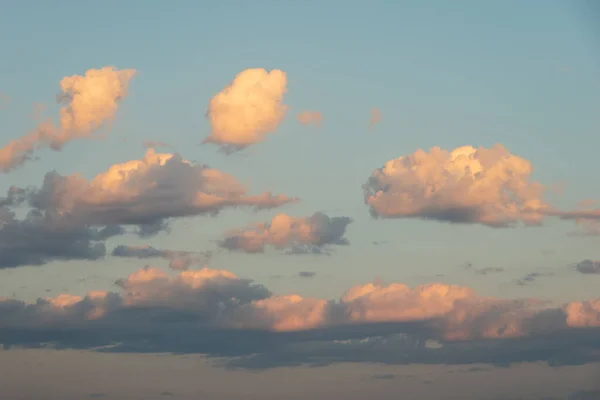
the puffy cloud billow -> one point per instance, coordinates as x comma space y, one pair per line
466, 185
307, 235
89, 102
216, 313
248, 109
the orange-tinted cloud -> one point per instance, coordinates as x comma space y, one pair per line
196, 310
89, 102
297, 235
310, 118
375, 118
146, 192
248, 109
466, 185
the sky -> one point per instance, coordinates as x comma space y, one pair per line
355, 198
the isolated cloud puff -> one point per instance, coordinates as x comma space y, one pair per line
466, 185
588, 267
310, 118
89, 102
298, 235
248, 109
178, 260
375, 118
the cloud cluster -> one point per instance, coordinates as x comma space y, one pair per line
249, 108
219, 314
178, 260
466, 185
89, 102
145, 193
310, 118
307, 235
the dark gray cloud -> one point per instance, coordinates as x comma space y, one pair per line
40, 238
304, 235
588, 267
531, 277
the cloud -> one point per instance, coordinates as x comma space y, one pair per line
586, 216
588, 267
243, 325
531, 277
307, 274
375, 118
89, 102
248, 109
154, 144
466, 185
70, 217
146, 192
484, 271
310, 118
4, 100
40, 238
307, 235
178, 260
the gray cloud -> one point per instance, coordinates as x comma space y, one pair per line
588, 267
178, 260
307, 274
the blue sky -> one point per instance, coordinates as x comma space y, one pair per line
447, 74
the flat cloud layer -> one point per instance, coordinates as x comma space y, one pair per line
145, 193
466, 185
298, 235
89, 102
178, 260
249, 108
219, 314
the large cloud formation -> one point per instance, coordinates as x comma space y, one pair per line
298, 235
249, 108
145, 193
214, 312
178, 259
89, 102
466, 185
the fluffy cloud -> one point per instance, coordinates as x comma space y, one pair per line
588, 267
375, 118
298, 235
147, 191
249, 108
310, 118
178, 260
466, 185
89, 102
70, 217
214, 312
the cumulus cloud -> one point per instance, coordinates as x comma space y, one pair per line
146, 192
89, 102
375, 118
215, 312
310, 118
588, 267
70, 217
466, 185
178, 260
248, 109
307, 235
